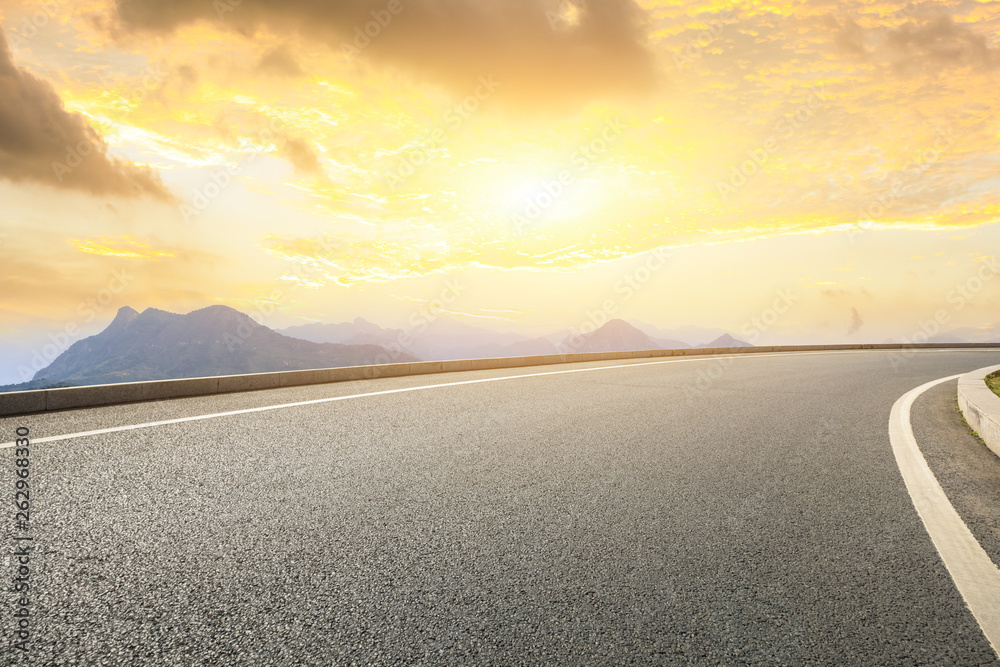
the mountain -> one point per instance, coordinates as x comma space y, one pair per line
521, 348
989, 333
725, 340
614, 336
450, 338
527, 348
685, 335
436, 338
218, 340
358, 332
445, 337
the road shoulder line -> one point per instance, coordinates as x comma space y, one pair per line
975, 575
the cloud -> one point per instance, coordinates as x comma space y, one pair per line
42, 142
126, 247
188, 74
280, 61
940, 41
850, 37
936, 42
301, 155
856, 322
543, 51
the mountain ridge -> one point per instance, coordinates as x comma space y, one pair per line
211, 341
219, 340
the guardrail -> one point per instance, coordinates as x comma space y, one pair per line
42, 400
981, 406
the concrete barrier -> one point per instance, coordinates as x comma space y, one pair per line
127, 392
42, 400
390, 370
981, 406
456, 365
252, 382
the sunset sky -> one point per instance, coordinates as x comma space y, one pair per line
690, 162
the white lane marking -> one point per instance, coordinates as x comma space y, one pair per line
975, 575
180, 420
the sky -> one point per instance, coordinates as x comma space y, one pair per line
789, 172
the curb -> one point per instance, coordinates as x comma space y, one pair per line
981, 406
44, 400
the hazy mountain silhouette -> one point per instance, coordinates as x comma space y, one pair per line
358, 332
614, 336
450, 338
521, 348
218, 340
527, 348
984, 334
435, 339
725, 340
686, 335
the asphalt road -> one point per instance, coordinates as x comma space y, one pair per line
704, 512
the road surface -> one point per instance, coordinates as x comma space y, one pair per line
697, 511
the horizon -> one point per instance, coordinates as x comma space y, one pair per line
814, 173
691, 336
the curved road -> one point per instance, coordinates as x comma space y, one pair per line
704, 511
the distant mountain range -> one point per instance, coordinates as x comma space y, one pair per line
614, 336
442, 338
987, 334
218, 340
447, 338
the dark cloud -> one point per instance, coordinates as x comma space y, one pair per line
940, 41
41, 142
301, 155
188, 74
236, 121
542, 51
850, 37
856, 322
280, 61
935, 42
